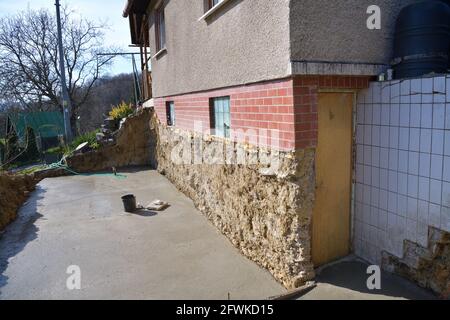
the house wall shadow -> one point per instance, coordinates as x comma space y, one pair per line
20, 232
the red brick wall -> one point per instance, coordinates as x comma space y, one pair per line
306, 89
288, 106
254, 108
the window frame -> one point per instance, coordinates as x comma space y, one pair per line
160, 28
170, 113
215, 130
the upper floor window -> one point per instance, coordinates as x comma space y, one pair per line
220, 116
160, 28
212, 3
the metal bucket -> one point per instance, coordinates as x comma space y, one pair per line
129, 203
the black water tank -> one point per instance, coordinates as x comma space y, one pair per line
422, 40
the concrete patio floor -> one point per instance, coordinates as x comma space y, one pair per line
174, 254
79, 220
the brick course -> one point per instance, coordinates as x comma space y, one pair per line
288, 106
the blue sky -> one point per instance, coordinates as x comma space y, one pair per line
105, 10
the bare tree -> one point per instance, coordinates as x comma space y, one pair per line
29, 69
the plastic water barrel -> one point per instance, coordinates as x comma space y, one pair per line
422, 40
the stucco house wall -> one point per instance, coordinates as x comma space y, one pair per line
226, 49
333, 36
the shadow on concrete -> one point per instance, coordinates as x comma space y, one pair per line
20, 232
145, 213
352, 275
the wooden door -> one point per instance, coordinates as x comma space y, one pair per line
331, 217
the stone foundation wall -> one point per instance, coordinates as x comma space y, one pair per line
265, 210
134, 146
14, 190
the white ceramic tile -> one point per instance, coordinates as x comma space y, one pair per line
368, 112
393, 137
412, 208
385, 93
366, 216
434, 215
424, 188
382, 220
413, 163
367, 175
425, 140
445, 219
415, 115
422, 211
424, 164
427, 97
368, 134
437, 142
402, 204
394, 117
366, 195
376, 135
435, 191
367, 155
447, 116
439, 90
403, 156
361, 96
384, 158
402, 181
393, 181
446, 194
414, 139
384, 179
359, 192
438, 116
426, 115
360, 113
439, 84
395, 91
448, 89
411, 229
446, 172
427, 85
436, 167
376, 157
392, 202
374, 216
359, 154
385, 112
404, 115
416, 86
374, 197
376, 116
384, 199
413, 186
376, 94
384, 136
447, 143
375, 177
359, 134
405, 91
403, 140
393, 159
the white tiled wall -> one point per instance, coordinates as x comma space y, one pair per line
403, 164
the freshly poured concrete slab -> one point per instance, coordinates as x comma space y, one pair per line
79, 221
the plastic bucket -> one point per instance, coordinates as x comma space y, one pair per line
129, 203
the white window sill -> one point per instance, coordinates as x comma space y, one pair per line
159, 53
212, 10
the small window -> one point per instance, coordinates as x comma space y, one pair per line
160, 28
220, 116
213, 3
170, 113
